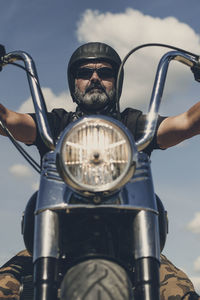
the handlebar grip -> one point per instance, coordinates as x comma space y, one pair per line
196, 72
2, 53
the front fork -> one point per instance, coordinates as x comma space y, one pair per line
139, 195
146, 240
147, 255
46, 251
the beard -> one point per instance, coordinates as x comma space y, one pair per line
95, 97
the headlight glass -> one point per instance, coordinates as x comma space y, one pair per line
95, 155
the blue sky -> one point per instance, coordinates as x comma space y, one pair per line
50, 31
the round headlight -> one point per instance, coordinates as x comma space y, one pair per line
95, 155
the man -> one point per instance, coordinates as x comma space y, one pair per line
92, 72
94, 93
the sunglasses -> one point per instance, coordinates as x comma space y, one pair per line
103, 73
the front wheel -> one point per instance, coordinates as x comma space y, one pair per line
96, 279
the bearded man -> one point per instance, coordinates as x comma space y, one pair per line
92, 74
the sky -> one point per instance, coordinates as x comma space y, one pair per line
50, 30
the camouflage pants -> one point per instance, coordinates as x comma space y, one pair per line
174, 284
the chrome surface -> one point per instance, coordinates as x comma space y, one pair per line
54, 194
139, 191
46, 235
37, 96
157, 92
146, 235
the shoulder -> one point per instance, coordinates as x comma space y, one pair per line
130, 113
55, 112
59, 112
130, 118
56, 116
58, 119
135, 121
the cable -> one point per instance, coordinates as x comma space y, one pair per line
26, 70
20, 66
25, 154
134, 50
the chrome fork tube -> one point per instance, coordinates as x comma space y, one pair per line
46, 234
45, 254
147, 255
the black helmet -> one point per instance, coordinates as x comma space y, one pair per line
94, 51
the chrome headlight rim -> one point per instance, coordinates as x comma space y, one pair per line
107, 188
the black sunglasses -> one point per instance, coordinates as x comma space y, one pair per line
103, 73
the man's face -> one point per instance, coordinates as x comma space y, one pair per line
94, 84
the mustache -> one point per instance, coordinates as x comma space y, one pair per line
94, 85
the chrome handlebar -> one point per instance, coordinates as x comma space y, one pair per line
36, 93
152, 115
156, 96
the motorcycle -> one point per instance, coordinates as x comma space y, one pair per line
99, 227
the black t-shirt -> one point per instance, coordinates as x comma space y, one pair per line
133, 119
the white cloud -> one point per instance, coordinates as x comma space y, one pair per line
197, 264
62, 100
126, 30
20, 170
194, 225
196, 281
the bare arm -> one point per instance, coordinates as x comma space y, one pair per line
174, 130
22, 126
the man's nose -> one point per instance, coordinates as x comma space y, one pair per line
95, 77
